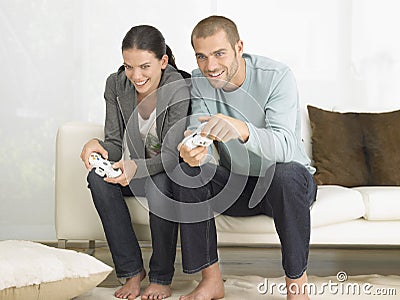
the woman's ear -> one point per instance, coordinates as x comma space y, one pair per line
164, 61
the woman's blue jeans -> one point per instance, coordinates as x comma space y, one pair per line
124, 247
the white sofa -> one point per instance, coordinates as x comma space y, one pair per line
341, 216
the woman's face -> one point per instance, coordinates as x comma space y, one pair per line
143, 69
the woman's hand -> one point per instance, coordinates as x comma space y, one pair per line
92, 146
128, 168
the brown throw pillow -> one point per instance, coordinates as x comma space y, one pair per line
381, 133
355, 149
337, 148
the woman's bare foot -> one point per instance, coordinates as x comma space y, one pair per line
156, 291
210, 287
131, 288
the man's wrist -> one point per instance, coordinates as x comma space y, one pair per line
244, 136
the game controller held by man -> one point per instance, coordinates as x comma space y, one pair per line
195, 139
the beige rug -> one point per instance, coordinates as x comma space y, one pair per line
255, 287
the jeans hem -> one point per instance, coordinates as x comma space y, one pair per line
295, 276
201, 267
160, 282
129, 275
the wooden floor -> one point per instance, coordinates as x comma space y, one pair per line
266, 262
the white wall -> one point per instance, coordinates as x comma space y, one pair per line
56, 55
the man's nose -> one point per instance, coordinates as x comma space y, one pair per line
212, 63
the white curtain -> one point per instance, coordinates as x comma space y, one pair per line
56, 56
375, 51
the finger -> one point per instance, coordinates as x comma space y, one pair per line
209, 128
104, 153
184, 151
215, 132
187, 132
179, 147
199, 157
195, 151
85, 159
204, 119
109, 180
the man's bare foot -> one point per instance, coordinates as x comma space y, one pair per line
296, 288
210, 287
156, 291
131, 288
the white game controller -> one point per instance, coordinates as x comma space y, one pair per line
195, 139
103, 166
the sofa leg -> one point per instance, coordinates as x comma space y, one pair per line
92, 246
62, 244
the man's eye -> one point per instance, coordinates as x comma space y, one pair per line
201, 57
127, 67
145, 66
219, 54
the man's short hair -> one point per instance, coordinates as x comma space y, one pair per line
211, 25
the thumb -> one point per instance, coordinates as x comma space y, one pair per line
117, 165
104, 153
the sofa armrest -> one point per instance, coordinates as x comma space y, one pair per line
75, 215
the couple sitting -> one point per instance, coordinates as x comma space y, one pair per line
250, 106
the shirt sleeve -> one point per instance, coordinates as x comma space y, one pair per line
277, 141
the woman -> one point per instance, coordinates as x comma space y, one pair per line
145, 99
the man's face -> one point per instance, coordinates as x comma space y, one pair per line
216, 59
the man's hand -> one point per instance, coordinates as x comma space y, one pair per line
192, 157
92, 146
223, 128
128, 168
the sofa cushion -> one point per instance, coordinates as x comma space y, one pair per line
337, 148
382, 143
253, 224
336, 204
355, 149
381, 203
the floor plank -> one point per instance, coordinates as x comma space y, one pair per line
266, 262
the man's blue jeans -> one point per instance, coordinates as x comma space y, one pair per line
287, 199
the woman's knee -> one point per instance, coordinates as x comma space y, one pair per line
102, 191
94, 180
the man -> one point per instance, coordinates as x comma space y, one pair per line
250, 104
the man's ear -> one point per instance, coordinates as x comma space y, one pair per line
164, 61
239, 47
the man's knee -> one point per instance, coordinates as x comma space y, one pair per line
294, 179
292, 173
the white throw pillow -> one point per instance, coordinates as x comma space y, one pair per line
31, 270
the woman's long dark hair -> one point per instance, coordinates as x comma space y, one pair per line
146, 37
